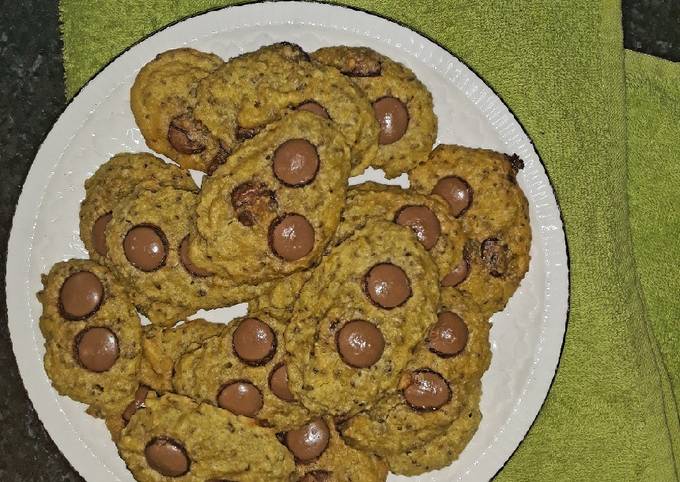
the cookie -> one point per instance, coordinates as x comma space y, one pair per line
442, 449
117, 421
253, 90
440, 234
401, 104
175, 438
92, 336
272, 208
481, 189
358, 318
243, 370
279, 298
147, 240
322, 456
162, 347
435, 389
163, 98
113, 181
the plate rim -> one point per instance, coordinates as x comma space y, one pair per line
39, 390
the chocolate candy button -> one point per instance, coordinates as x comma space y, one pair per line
314, 108
137, 403
183, 135
428, 390
278, 383
392, 116
145, 247
296, 162
456, 192
422, 221
387, 285
495, 256
186, 261
167, 457
449, 335
360, 343
241, 397
291, 237
251, 200
80, 295
99, 234
308, 442
97, 349
457, 274
316, 476
254, 341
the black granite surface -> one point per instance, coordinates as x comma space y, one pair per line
31, 98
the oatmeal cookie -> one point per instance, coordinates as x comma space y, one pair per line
401, 104
163, 98
272, 208
357, 320
481, 189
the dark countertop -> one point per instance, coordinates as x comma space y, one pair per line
32, 93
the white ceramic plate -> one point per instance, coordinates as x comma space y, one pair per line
526, 337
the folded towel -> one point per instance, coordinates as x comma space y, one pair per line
610, 414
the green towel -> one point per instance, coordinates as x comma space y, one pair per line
610, 414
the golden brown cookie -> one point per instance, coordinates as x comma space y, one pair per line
147, 241
243, 370
401, 104
162, 347
112, 182
440, 385
272, 208
322, 456
440, 234
481, 189
257, 88
163, 99
175, 438
358, 318
92, 336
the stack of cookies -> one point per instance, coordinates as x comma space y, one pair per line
368, 326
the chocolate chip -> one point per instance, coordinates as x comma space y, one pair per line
97, 349
308, 442
251, 200
314, 108
137, 403
449, 335
291, 237
187, 135
316, 476
99, 234
387, 285
457, 274
167, 457
428, 390
80, 296
243, 133
278, 383
422, 221
495, 256
145, 247
515, 161
295, 162
392, 115
456, 192
360, 343
186, 261
254, 342
240, 397
360, 64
